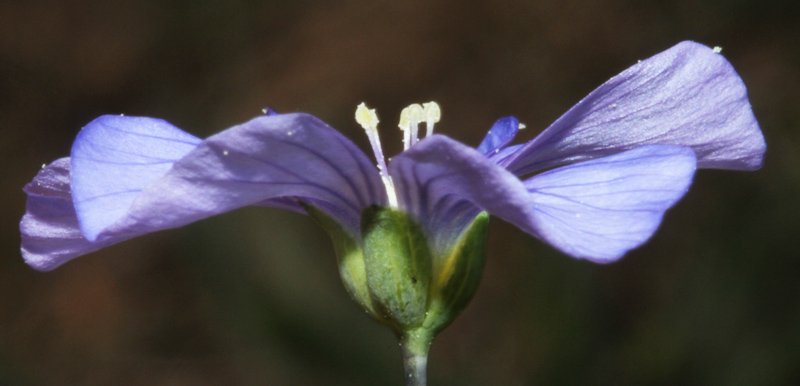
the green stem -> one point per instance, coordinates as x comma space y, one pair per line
415, 345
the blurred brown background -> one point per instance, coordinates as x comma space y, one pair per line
253, 298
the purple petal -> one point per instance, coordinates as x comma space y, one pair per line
501, 134
688, 95
600, 209
50, 232
443, 184
619, 199
285, 155
256, 163
505, 153
114, 158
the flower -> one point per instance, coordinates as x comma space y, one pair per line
595, 184
613, 164
410, 236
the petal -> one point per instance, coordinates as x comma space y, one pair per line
256, 163
505, 153
284, 155
501, 134
620, 198
49, 229
688, 95
600, 209
114, 158
444, 184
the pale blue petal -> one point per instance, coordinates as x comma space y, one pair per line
49, 229
596, 210
114, 158
600, 209
443, 184
275, 160
283, 155
688, 95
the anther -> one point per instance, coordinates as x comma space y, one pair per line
367, 118
410, 119
432, 115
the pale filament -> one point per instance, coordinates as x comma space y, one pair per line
368, 119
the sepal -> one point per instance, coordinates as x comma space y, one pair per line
398, 265
350, 259
457, 275
391, 273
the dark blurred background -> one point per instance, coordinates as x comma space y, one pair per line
253, 297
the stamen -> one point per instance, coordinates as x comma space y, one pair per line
368, 119
410, 118
432, 115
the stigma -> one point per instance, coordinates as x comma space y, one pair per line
410, 119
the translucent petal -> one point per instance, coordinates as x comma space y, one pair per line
595, 210
444, 184
600, 209
49, 229
271, 160
114, 158
688, 95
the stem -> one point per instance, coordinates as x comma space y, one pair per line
415, 345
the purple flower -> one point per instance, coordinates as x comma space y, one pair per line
595, 184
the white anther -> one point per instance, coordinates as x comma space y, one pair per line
432, 115
717, 49
410, 119
367, 117
368, 120
521, 126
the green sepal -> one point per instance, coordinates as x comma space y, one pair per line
350, 259
398, 266
458, 274
393, 276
